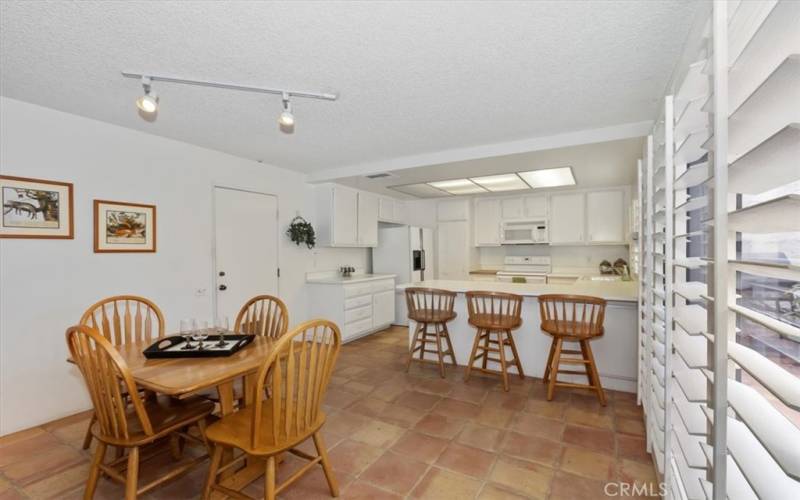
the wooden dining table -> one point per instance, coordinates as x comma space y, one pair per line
184, 377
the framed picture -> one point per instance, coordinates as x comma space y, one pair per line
124, 227
35, 208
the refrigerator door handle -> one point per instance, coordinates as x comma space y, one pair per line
423, 260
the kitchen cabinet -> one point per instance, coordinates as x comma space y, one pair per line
567, 218
383, 307
358, 308
346, 217
390, 210
453, 250
487, 223
367, 219
561, 280
451, 210
512, 208
535, 207
605, 216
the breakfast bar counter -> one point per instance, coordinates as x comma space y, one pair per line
615, 352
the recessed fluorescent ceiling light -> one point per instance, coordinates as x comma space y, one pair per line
458, 186
419, 190
551, 177
502, 182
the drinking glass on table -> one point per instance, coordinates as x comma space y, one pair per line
186, 333
201, 333
222, 326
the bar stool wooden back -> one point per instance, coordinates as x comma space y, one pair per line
494, 313
431, 307
297, 373
123, 418
572, 318
263, 315
123, 319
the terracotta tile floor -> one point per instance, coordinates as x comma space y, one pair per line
396, 435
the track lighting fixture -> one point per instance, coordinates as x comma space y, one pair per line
148, 103
286, 118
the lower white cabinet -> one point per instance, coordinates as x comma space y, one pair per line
357, 308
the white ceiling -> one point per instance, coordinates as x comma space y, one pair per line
603, 164
414, 77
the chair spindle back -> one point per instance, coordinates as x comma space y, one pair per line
494, 307
579, 316
297, 373
263, 315
124, 319
429, 303
108, 380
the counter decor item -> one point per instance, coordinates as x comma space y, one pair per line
124, 227
301, 231
35, 208
605, 267
346, 271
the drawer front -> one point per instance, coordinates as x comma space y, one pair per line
358, 314
382, 286
352, 329
357, 289
355, 302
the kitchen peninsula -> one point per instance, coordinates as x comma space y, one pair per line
615, 352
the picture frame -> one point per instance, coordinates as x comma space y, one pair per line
124, 227
36, 208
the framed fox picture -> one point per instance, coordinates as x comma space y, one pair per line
124, 227
35, 208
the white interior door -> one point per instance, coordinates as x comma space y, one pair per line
246, 248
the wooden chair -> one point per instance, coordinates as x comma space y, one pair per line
297, 373
495, 313
572, 318
431, 306
123, 319
263, 315
122, 418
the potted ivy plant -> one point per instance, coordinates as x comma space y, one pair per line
301, 231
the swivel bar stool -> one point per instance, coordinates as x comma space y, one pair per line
431, 307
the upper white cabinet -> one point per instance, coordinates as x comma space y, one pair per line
535, 207
605, 216
367, 219
512, 208
450, 210
346, 217
487, 222
567, 218
390, 210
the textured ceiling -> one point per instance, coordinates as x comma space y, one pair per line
414, 77
611, 163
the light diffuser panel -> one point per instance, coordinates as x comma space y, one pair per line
458, 186
502, 182
551, 177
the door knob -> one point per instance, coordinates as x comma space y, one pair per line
223, 287
222, 273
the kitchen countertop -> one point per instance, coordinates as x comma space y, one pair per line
484, 271
356, 278
619, 291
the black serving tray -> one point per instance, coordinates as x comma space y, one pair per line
170, 347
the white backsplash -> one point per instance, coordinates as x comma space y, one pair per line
584, 259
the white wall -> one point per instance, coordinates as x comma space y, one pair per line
45, 285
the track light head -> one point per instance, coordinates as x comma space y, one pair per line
148, 103
286, 118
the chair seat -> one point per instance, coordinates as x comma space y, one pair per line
431, 316
166, 414
234, 430
561, 327
494, 321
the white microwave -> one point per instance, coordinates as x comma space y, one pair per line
524, 232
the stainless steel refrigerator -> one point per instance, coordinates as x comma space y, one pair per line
406, 251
